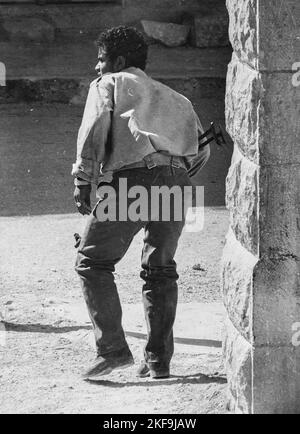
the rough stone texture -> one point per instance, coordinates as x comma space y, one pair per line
237, 275
211, 30
277, 277
279, 120
29, 30
80, 21
276, 380
242, 29
264, 200
262, 102
242, 201
170, 34
134, 15
274, 371
276, 284
280, 211
279, 42
174, 11
238, 361
243, 93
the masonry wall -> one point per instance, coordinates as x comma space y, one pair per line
261, 268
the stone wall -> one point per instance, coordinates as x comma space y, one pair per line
53, 40
261, 268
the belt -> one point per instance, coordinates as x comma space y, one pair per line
157, 159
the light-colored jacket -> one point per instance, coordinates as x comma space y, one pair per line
127, 116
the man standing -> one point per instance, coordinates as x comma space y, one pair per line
137, 129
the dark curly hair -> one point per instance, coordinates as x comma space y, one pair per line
127, 42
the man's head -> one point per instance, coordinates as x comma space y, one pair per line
120, 48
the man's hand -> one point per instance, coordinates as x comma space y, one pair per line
82, 196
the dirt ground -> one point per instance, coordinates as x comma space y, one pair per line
46, 342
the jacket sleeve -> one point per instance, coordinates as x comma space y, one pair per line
94, 131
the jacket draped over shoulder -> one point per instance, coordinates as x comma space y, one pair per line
127, 116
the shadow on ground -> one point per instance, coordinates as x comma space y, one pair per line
46, 328
174, 379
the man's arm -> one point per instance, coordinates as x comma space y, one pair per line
92, 138
198, 161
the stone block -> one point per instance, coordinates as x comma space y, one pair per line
238, 361
279, 46
261, 112
211, 30
133, 16
242, 201
263, 198
276, 300
279, 207
29, 30
71, 22
237, 284
243, 29
167, 10
170, 34
276, 380
279, 218
279, 42
243, 94
279, 120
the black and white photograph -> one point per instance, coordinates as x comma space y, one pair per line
150, 210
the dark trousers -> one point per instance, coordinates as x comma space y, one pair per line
103, 245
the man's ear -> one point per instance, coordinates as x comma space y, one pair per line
120, 64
